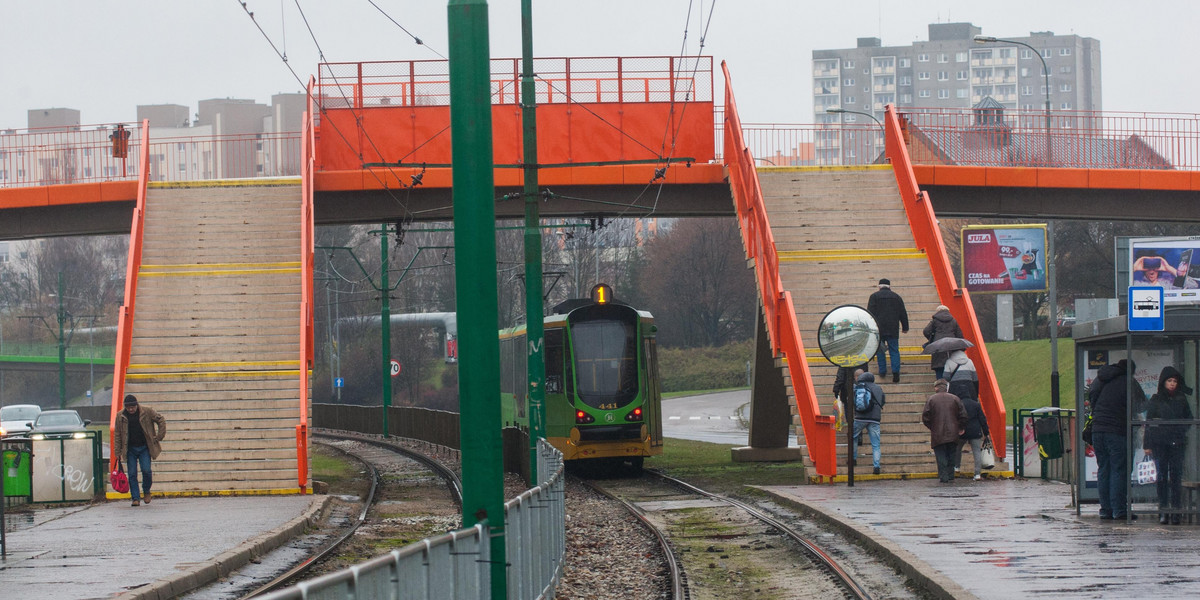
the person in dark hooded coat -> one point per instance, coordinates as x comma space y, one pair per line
1166, 443
1109, 399
942, 325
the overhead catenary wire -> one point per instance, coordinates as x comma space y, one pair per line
387, 188
320, 52
402, 28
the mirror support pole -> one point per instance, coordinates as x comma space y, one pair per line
848, 409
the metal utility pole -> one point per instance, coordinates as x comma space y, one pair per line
385, 325
62, 347
475, 278
534, 306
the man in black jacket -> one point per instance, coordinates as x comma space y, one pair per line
1109, 401
888, 309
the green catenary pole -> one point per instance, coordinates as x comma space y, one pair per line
534, 310
475, 278
385, 326
62, 348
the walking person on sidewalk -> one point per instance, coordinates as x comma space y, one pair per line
1166, 443
946, 419
1109, 400
941, 325
869, 417
136, 437
888, 309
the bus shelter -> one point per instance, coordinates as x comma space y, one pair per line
1101, 344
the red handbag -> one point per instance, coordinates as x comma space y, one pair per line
118, 480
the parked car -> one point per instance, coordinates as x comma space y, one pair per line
56, 422
17, 418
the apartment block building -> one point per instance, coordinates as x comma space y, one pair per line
949, 71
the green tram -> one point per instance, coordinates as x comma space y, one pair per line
603, 400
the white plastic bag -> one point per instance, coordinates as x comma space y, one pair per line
1147, 471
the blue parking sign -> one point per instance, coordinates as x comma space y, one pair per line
1146, 308
339, 382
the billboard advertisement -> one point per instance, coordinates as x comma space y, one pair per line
1167, 262
1004, 259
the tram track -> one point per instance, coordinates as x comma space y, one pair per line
699, 529
398, 491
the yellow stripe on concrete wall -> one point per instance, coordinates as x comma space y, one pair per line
856, 254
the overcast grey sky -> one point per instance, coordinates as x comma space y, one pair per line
104, 57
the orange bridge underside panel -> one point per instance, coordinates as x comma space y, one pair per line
1037, 177
68, 193
380, 178
575, 133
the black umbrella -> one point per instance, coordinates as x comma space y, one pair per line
946, 344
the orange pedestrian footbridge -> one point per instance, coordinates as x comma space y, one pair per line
618, 136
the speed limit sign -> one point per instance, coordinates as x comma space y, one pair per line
395, 368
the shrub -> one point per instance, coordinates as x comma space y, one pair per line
705, 368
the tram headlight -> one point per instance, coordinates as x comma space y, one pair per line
582, 418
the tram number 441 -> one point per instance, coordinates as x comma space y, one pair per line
395, 369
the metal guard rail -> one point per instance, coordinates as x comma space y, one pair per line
457, 565
132, 266
928, 236
780, 313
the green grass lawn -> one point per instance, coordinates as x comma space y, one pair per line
1023, 371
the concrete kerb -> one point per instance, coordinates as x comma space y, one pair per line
921, 572
223, 564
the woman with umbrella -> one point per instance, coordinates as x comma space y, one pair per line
941, 326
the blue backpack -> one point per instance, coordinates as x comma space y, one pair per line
862, 397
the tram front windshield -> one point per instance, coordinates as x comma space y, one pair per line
605, 362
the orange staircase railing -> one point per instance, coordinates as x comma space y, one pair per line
307, 234
132, 266
782, 327
928, 237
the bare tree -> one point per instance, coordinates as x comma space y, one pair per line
696, 282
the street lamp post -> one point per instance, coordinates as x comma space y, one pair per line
1051, 280
840, 111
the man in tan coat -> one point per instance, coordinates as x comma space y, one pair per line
946, 419
136, 437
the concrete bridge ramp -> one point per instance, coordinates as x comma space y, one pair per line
216, 335
838, 232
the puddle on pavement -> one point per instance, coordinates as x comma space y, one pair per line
18, 521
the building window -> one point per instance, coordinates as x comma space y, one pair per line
87, 171
1024, 71
962, 75
943, 94
1026, 91
960, 57
848, 81
849, 117
1006, 53
1064, 69
906, 80
981, 54
943, 76
943, 57
962, 92
1026, 53
182, 146
923, 75
922, 58
923, 93
3, 175
849, 64
849, 99
906, 62
1047, 53
1064, 51
1065, 106
1066, 87
906, 98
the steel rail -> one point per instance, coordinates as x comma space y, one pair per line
328, 550
447, 474
679, 587
830, 564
